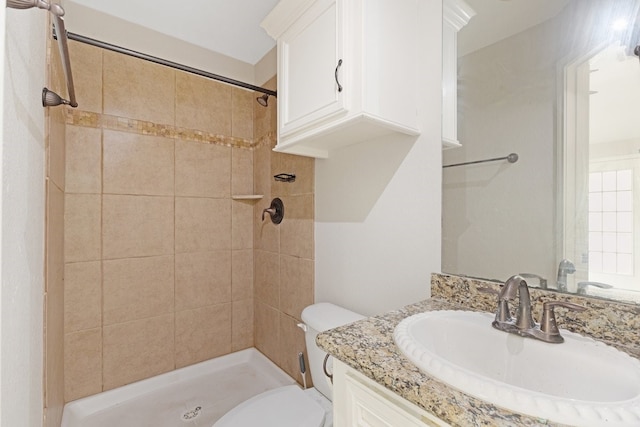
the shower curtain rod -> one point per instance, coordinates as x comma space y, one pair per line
139, 55
511, 158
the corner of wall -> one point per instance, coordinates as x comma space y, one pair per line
23, 211
266, 68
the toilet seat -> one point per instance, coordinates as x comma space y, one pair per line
286, 406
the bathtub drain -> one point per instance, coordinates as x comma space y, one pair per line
189, 415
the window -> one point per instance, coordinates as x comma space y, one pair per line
611, 222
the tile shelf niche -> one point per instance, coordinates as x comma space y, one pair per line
247, 196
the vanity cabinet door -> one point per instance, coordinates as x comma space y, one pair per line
309, 74
360, 402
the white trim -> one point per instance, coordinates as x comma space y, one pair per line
283, 15
456, 13
3, 26
573, 161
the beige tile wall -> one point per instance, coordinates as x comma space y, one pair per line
163, 268
158, 256
284, 253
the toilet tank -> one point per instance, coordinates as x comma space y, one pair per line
319, 318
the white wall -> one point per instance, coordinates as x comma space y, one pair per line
266, 68
616, 79
100, 26
22, 224
378, 204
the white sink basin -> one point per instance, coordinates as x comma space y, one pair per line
579, 382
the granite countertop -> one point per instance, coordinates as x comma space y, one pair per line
368, 346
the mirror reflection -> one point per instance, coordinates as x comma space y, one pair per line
557, 83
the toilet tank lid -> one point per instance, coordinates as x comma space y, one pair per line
324, 316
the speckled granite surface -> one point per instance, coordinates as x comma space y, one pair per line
368, 346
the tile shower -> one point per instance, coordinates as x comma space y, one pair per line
162, 268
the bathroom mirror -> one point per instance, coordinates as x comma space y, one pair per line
558, 83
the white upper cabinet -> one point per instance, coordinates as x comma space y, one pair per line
455, 15
310, 54
347, 72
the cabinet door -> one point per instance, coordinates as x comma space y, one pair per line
308, 68
360, 402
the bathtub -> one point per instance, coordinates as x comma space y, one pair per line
197, 395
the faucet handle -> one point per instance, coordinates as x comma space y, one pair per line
582, 286
548, 323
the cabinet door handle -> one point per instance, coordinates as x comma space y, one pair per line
336, 75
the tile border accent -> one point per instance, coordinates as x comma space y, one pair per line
106, 121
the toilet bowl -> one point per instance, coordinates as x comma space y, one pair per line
290, 406
282, 406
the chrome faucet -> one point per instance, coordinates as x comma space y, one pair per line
503, 321
524, 325
565, 267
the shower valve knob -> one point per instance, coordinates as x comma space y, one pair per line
275, 211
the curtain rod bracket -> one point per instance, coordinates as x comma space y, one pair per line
58, 12
52, 99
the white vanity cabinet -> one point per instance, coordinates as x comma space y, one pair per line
455, 15
360, 402
347, 71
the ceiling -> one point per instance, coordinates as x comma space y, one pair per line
232, 27
498, 19
229, 27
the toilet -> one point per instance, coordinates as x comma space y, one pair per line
290, 406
